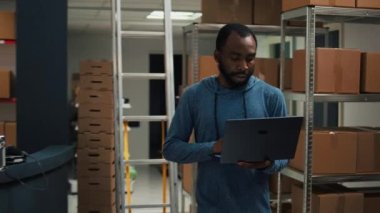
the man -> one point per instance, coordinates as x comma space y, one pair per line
204, 108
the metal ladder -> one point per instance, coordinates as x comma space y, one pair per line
168, 76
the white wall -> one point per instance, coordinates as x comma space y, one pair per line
136, 55
366, 38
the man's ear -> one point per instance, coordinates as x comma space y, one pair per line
217, 56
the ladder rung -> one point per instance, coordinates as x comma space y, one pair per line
147, 205
146, 118
146, 162
142, 33
145, 75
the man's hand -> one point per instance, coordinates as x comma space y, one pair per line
255, 165
217, 149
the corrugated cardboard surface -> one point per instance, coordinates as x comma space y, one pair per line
2, 130
95, 96
371, 203
331, 202
7, 25
10, 130
367, 3
100, 140
334, 152
96, 183
90, 67
88, 169
96, 82
369, 74
90, 110
292, 4
5, 83
336, 71
96, 125
269, 67
368, 150
227, 11
288, 74
96, 197
266, 12
96, 209
207, 67
88, 155
286, 184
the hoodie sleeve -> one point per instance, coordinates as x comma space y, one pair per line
177, 147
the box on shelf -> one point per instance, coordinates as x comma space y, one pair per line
293, 4
99, 140
336, 70
207, 67
286, 184
10, 130
2, 128
288, 74
96, 125
266, 12
90, 110
269, 67
371, 202
96, 184
7, 25
88, 169
187, 177
5, 83
369, 73
96, 82
368, 4
368, 157
96, 209
328, 201
96, 197
334, 152
95, 96
88, 155
227, 11
90, 67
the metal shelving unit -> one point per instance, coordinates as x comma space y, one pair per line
327, 15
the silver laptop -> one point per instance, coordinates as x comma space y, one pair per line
260, 139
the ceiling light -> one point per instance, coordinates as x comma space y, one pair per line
175, 15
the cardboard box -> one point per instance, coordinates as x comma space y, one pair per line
7, 25
369, 73
95, 97
5, 83
367, 4
371, 203
96, 208
96, 198
292, 4
187, 178
2, 128
336, 70
227, 11
90, 67
96, 82
90, 110
267, 12
88, 169
96, 184
88, 155
207, 67
288, 74
368, 155
99, 140
334, 152
269, 67
10, 130
286, 184
331, 202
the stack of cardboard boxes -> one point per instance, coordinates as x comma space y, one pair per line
96, 144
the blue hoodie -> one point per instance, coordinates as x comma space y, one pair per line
204, 108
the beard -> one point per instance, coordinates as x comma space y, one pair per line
229, 76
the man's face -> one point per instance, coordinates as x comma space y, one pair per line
236, 60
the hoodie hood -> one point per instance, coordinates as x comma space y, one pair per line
213, 85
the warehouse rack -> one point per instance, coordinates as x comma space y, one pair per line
168, 76
327, 15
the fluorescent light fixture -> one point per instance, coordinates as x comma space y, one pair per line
175, 15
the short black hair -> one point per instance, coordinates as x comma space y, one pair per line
226, 30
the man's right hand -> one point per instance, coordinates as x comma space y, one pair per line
217, 149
